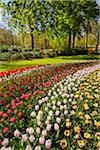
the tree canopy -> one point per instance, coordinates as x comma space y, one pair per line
52, 17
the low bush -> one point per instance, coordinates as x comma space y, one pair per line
4, 56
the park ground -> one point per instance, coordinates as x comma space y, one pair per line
4, 66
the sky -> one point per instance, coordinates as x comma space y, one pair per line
1, 21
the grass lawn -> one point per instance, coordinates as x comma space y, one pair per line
62, 59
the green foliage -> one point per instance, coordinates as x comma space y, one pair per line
59, 22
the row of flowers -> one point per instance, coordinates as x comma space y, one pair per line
7, 75
81, 129
37, 124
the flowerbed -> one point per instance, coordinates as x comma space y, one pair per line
18, 72
81, 128
34, 107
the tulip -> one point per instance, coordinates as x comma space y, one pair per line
50, 112
5, 130
56, 127
16, 133
61, 107
48, 144
31, 131
53, 107
46, 109
19, 115
57, 113
28, 147
9, 111
38, 130
49, 127
32, 138
41, 140
27, 130
65, 112
38, 123
33, 114
5, 142
37, 107
24, 137
58, 120
12, 119
59, 103
44, 132
37, 148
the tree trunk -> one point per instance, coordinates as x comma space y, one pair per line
97, 44
45, 43
73, 39
12, 38
45, 40
69, 42
32, 40
86, 40
23, 41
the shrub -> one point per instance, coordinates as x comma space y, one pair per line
4, 56
37, 54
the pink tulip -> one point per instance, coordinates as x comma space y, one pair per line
27, 130
38, 130
53, 107
28, 147
50, 112
16, 133
39, 123
48, 118
37, 148
37, 107
48, 144
40, 102
48, 104
58, 119
32, 138
59, 103
57, 113
31, 131
61, 107
41, 140
49, 127
5, 142
49, 94
38, 118
33, 114
56, 127
24, 137
47, 122
44, 132
46, 108
65, 112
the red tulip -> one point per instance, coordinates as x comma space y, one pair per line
3, 101
13, 107
1, 113
12, 119
5, 115
9, 111
19, 115
7, 106
0, 142
6, 130
15, 111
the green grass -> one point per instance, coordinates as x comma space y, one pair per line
62, 59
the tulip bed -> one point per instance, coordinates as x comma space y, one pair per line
53, 107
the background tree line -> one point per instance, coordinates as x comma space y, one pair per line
51, 24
